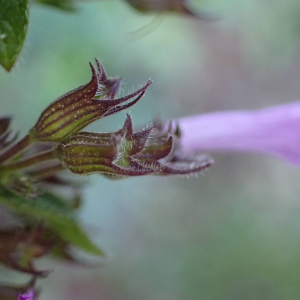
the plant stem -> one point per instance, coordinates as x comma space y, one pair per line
30, 161
15, 149
48, 171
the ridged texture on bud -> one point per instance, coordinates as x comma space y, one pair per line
153, 150
78, 108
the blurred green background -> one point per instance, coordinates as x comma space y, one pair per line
232, 234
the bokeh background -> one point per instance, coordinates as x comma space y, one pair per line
231, 234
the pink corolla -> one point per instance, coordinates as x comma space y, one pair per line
27, 296
274, 131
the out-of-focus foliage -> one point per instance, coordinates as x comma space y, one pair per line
67, 5
46, 223
8, 292
14, 20
13, 28
19, 247
162, 6
55, 212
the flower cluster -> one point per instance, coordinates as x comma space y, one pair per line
153, 150
20, 292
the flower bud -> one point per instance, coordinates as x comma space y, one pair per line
78, 108
125, 153
88, 153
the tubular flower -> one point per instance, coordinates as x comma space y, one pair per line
153, 150
124, 153
80, 107
272, 131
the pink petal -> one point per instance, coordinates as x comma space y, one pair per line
274, 131
26, 296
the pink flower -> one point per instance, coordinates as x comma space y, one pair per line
27, 296
274, 131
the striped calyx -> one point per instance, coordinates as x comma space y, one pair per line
78, 108
126, 153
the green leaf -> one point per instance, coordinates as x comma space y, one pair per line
13, 28
55, 212
62, 4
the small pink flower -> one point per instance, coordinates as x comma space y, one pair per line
274, 131
27, 296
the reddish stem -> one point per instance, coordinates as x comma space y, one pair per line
48, 171
30, 161
15, 149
